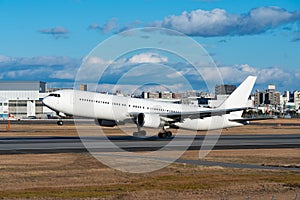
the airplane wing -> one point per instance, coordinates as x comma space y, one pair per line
199, 114
175, 116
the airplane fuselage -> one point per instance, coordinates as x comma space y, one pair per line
120, 108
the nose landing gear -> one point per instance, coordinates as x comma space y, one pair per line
60, 122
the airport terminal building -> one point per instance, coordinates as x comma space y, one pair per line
22, 99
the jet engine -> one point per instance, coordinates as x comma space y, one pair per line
148, 120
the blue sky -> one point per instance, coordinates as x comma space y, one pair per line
46, 40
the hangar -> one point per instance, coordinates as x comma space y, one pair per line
21, 99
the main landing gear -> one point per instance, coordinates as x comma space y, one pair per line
142, 133
165, 133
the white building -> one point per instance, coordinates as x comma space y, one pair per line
21, 99
297, 100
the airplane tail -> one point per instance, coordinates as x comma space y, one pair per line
239, 97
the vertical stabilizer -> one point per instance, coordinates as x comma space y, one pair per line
240, 95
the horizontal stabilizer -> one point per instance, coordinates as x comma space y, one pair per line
252, 119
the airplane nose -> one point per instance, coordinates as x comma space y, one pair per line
46, 101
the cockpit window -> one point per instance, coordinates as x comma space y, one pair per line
54, 95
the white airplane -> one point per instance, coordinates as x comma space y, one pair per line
111, 110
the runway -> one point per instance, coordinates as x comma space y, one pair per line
44, 145
13, 145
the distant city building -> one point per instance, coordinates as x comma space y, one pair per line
287, 95
284, 99
145, 95
3, 108
177, 95
274, 96
204, 101
257, 98
152, 95
190, 97
190, 93
267, 97
271, 87
297, 100
224, 89
166, 95
119, 93
83, 87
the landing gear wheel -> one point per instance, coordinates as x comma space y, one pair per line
139, 134
165, 134
60, 123
143, 133
169, 133
135, 134
162, 135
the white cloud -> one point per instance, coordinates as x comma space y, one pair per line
93, 60
94, 67
42, 68
48, 60
6, 59
18, 73
237, 73
133, 71
174, 75
63, 74
148, 58
38, 60
218, 22
91, 69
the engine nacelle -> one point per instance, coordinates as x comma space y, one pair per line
104, 122
148, 120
